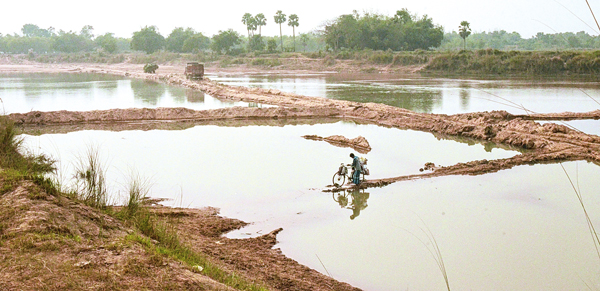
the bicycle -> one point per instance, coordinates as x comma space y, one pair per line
339, 178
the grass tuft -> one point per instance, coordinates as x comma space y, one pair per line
139, 188
90, 179
11, 152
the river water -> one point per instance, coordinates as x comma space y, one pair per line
440, 95
516, 229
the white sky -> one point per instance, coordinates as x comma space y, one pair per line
123, 17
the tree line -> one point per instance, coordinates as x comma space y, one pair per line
503, 40
40, 40
401, 32
181, 40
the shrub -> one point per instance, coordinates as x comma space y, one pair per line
150, 68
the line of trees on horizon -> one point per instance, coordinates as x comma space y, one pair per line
401, 32
503, 40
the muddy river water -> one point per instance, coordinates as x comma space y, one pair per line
518, 229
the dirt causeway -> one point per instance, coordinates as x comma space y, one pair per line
102, 259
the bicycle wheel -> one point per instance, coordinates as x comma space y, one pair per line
338, 180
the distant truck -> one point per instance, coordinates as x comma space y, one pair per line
194, 70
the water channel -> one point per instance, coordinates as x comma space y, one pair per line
512, 230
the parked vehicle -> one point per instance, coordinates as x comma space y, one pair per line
194, 70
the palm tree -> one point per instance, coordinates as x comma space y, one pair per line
248, 20
260, 21
279, 19
464, 30
293, 22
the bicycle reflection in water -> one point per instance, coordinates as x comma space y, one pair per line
355, 199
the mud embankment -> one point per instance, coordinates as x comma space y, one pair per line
360, 144
546, 143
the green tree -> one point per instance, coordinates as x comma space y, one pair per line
250, 23
196, 42
70, 42
402, 31
177, 38
32, 30
279, 19
271, 45
403, 16
86, 32
464, 30
260, 21
343, 32
107, 42
148, 40
224, 41
18, 44
256, 43
293, 22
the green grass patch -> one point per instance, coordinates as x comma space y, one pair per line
170, 245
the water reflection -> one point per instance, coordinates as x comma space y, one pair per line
22, 93
194, 96
355, 199
177, 93
36, 85
147, 91
415, 99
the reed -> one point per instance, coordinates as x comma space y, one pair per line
590, 225
90, 177
435, 251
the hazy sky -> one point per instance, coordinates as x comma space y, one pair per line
122, 18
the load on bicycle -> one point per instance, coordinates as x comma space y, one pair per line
359, 169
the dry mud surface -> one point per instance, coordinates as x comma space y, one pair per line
50, 242
545, 143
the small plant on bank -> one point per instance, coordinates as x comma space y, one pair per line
90, 186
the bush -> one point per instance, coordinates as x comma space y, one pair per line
150, 68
